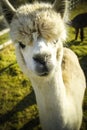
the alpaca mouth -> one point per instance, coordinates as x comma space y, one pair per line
43, 70
43, 74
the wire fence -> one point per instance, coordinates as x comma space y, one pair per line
73, 3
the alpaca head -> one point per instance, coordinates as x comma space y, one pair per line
38, 31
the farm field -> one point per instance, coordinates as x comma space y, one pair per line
18, 109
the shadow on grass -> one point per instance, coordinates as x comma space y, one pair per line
83, 63
2, 25
73, 42
24, 103
30, 125
7, 67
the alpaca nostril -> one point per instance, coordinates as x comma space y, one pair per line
42, 59
39, 59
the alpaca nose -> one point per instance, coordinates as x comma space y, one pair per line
42, 64
41, 59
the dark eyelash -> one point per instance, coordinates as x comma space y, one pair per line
22, 45
55, 41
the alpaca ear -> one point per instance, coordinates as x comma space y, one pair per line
8, 10
60, 6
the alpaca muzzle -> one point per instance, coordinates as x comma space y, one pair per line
43, 65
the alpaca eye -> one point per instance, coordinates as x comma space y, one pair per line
22, 45
55, 41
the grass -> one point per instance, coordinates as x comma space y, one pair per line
18, 110
4, 38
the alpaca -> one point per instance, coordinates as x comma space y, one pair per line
79, 22
38, 32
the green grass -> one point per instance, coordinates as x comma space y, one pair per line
18, 110
4, 38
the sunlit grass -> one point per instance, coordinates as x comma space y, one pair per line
4, 38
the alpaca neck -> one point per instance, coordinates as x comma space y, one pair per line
51, 97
